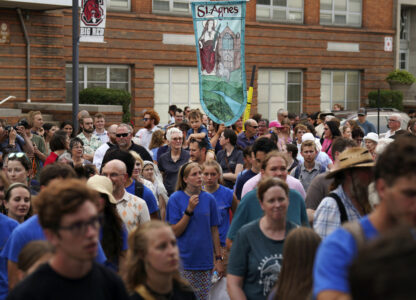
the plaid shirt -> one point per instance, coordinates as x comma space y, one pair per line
327, 216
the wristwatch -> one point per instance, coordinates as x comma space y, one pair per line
188, 213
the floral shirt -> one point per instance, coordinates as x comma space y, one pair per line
90, 145
132, 210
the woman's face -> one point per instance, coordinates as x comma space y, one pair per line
52, 131
210, 176
19, 203
347, 133
68, 128
299, 134
148, 172
327, 132
176, 141
370, 145
16, 172
162, 252
77, 150
37, 121
194, 178
137, 170
275, 203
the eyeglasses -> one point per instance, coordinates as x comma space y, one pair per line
80, 228
284, 116
392, 120
112, 175
146, 119
122, 134
178, 139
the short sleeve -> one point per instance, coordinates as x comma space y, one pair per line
240, 157
144, 214
150, 200
13, 246
173, 212
238, 259
160, 163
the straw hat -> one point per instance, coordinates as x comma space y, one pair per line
351, 158
102, 185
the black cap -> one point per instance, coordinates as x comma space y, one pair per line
362, 112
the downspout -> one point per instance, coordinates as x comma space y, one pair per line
19, 12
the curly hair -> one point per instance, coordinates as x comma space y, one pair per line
153, 115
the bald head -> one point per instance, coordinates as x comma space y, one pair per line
117, 172
111, 132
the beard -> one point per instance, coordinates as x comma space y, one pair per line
89, 131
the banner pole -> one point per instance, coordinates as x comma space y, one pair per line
249, 96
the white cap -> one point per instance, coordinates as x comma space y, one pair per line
372, 136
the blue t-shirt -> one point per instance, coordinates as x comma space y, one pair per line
147, 196
7, 225
224, 198
204, 130
124, 235
249, 210
195, 243
334, 257
28, 231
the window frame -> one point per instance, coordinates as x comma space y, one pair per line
406, 60
286, 8
118, 8
269, 85
347, 14
171, 10
331, 100
84, 83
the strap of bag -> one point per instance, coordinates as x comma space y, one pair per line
138, 190
341, 207
297, 172
356, 231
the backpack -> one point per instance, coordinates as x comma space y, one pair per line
138, 189
322, 169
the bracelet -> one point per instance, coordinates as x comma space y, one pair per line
219, 257
189, 213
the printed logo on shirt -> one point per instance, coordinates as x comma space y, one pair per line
269, 272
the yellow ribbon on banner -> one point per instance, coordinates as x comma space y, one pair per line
247, 111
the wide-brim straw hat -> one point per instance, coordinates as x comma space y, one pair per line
102, 185
352, 158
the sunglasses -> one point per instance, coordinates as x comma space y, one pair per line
255, 127
146, 119
122, 134
17, 155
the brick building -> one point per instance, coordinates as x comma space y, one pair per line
309, 54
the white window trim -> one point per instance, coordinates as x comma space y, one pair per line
347, 13
286, 8
286, 84
108, 67
171, 10
110, 7
406, 61
331, 85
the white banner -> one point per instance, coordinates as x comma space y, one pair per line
93, 15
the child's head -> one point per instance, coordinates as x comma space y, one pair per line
195, 119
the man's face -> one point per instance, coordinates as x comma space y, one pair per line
309, 154
257, 159
148, 121
194, 152
115, 174
361, 118
276, 167
178, 117
78, 236
251, 130
99, 123
400, 199
88, 125
123, 137
111, 132
394, 123
37, 121
262, 129
281, 116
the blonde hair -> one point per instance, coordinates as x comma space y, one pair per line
184, 172
214, 164
136, 156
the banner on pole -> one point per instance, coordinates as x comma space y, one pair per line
219, 33
93, 15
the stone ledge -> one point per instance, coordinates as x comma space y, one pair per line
92, 108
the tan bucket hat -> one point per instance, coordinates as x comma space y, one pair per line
355, 157
102, 185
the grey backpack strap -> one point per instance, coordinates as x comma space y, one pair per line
356, 231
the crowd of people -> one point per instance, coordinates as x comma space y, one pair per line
291, 208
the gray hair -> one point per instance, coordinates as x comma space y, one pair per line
172, 131
65, 156
126, 126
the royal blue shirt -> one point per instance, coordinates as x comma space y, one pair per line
195, 243
7, 226
224, 198
201, 129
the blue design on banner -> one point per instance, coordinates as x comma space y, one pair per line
219, 33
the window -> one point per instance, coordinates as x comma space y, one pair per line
279, 89
404, 24
172, 6
403, 60
175, 85
340, 87
118, 5
288, 11
114, 77
341, 12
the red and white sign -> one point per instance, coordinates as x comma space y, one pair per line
93, 13
388, 43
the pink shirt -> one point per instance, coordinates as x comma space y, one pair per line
291, 181
327, 147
